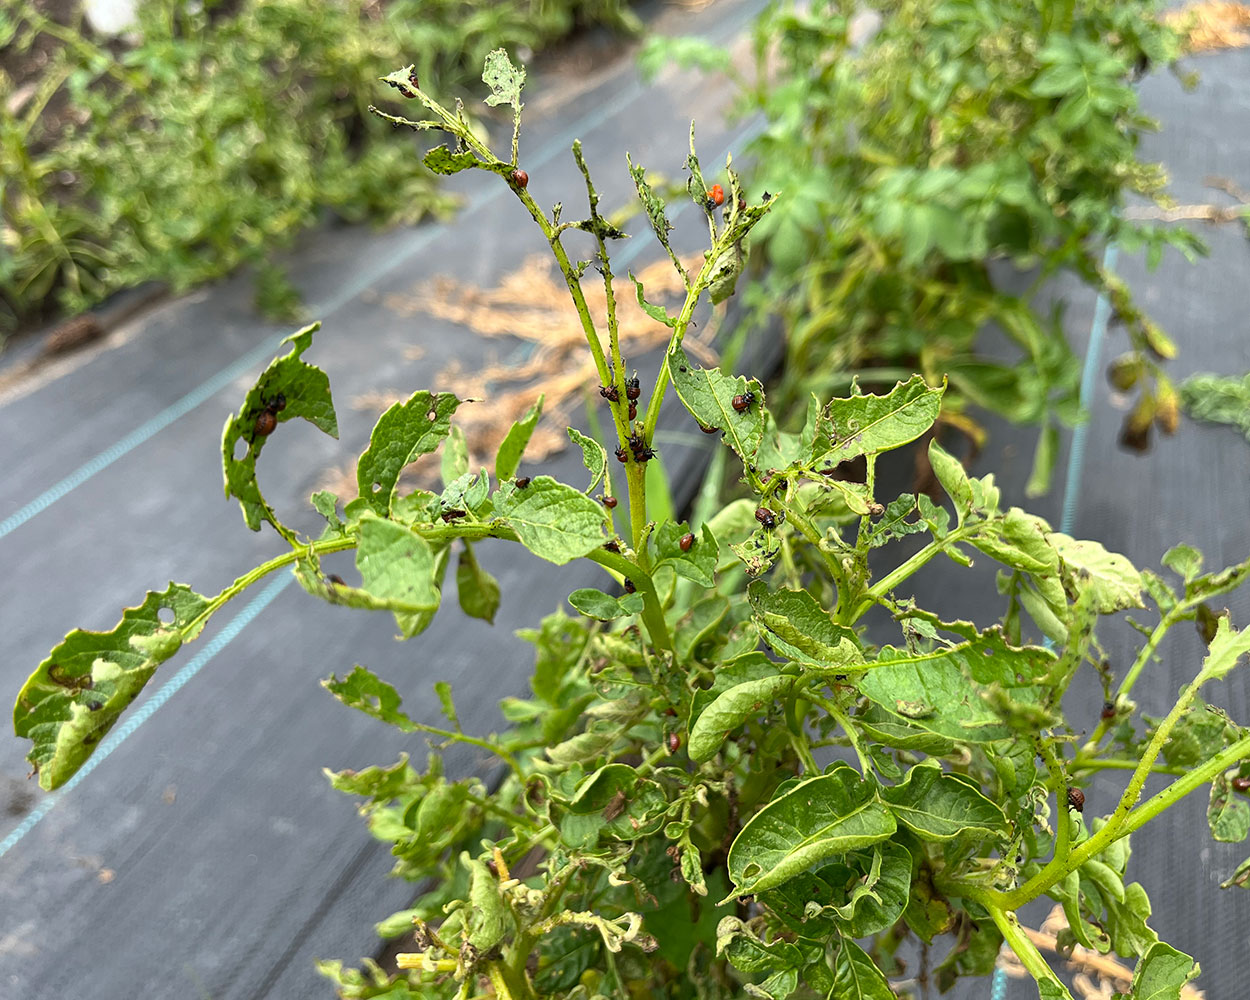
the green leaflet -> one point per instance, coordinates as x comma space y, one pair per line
942, 691
1225, 650
364, 690
817, 819
76, 695
730, 709
504, 79
612, 802
397, 568
477, 589
794, 625
1162, 973
455, 459
604, 607
867, 424
488, 914
303, 391
708, 393
508, 458
378, 783
860, 895
552, 520
402, 434
657, 313
594, 457
1111, 578
698, 563
950, 473
856, 976
939, 806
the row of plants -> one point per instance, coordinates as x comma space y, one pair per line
942, 169
719, 784
219, 133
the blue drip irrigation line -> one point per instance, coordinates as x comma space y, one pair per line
149, 708
1076, 462
325, 308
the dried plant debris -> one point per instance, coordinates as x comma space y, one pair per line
1212, 25
1219, 399
542, 351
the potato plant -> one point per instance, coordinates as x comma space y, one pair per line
718, 784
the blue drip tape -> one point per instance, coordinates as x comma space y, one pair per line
1076, 462
149, 708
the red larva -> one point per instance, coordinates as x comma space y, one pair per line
743, 402
1241, 784
266, 423
717, 194
523, 482
687, 541
1108, 710
521, 179
629, 586
766, 517
674, 742
609, 502
1076, 799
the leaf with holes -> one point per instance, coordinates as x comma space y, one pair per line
552, 520
402, 434
77, 694
708, 393
868, 424
288, 388
1086, 565
363, 690
504, 79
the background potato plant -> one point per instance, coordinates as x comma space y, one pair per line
943, 161
720, 783
225, 130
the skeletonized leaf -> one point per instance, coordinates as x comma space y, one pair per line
442, 160
76, 695
302, 390
1115, 584
552, 520
817, 819
504, 79
403, 433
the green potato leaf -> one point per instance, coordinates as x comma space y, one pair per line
794, 625
868, 424
698, 563
477, 589
708, 393
552, 520
939, 806
397, 569
604, 607
304, 391
730, 709
402, 434
508, 458
817, 819
76, 695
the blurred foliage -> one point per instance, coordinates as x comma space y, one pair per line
224, 130
920, 142
1218, 399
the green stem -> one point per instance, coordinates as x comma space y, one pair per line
652, 611
904, 570
1025, 950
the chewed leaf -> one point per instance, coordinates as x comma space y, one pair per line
402, 434
594, 457
652, 204
708, 393
442, 160
80, 690
364, 690
657, 313
794, 625
552, 520
867, 424
504, 79
288, 388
